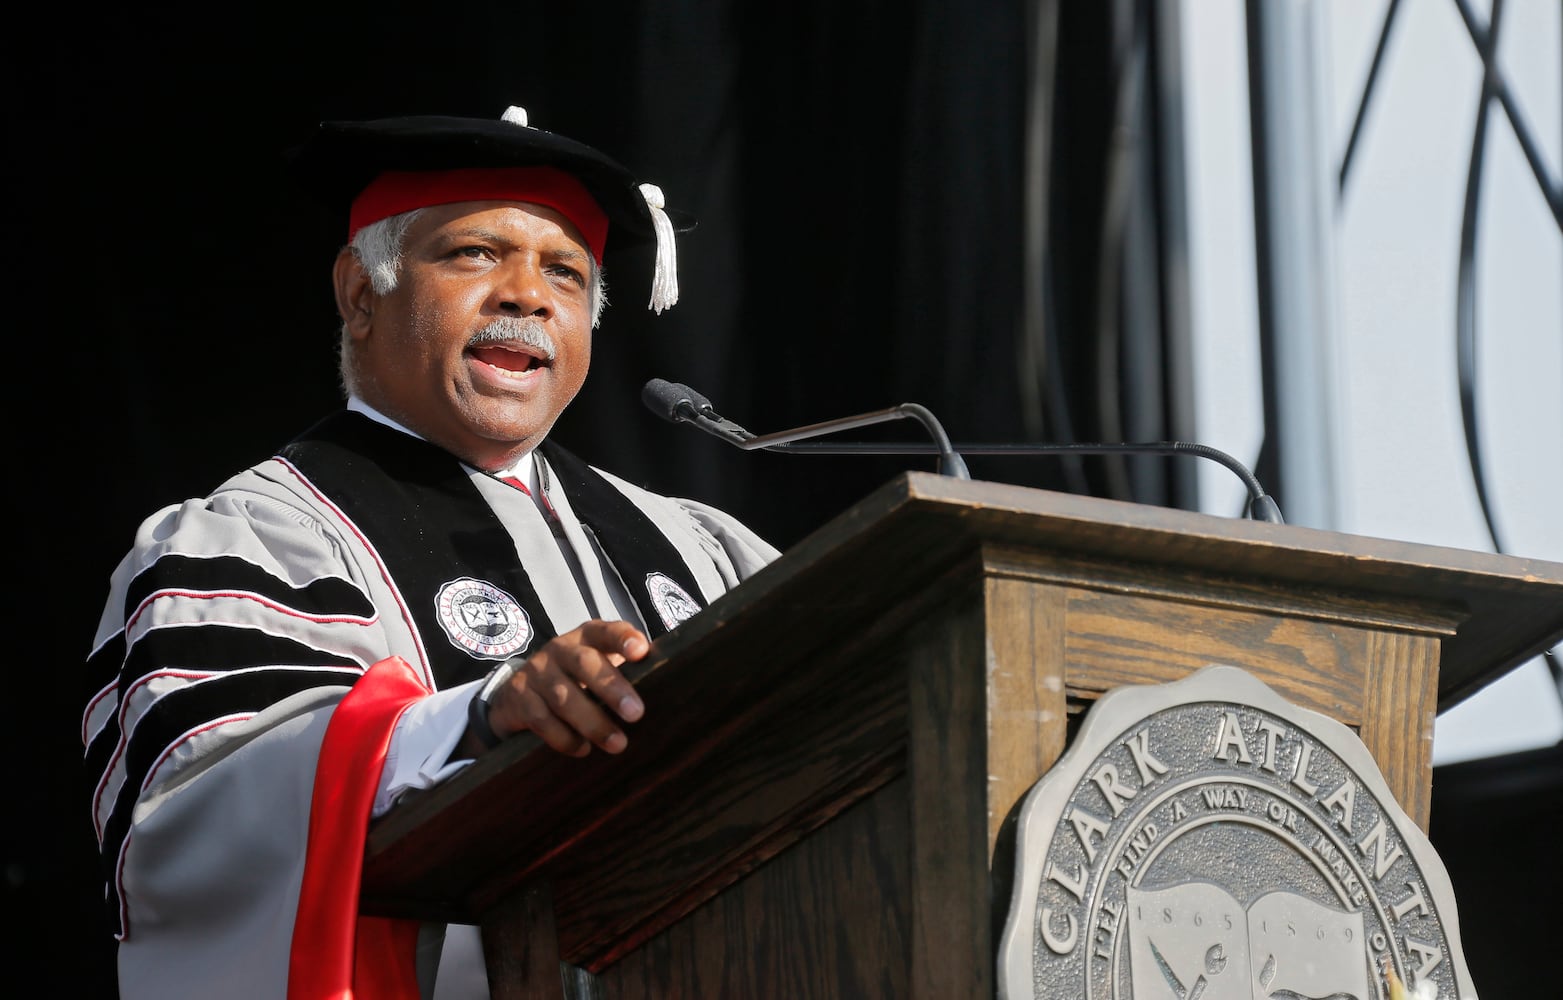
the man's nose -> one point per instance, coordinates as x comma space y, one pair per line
523, 291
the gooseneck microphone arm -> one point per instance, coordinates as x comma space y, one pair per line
950, 462
681, 404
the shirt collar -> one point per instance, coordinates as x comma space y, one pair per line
523, 469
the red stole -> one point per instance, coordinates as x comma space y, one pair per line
338, 955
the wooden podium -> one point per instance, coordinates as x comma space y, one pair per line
820, 800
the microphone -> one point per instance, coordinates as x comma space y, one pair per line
673, 402
681, 404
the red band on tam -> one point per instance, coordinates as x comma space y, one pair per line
398, 191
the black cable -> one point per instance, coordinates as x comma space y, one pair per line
1267, 463
1034, 348
1465, 286
1550, 192
1128, 60
1367, 94
1261, 506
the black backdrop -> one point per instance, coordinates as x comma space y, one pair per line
856, 169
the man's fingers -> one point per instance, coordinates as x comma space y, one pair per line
617, 638
557, 734
559, 713
561, 691
604, 646
570, 704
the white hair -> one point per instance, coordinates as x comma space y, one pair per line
378, 249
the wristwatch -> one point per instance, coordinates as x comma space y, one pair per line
477, 708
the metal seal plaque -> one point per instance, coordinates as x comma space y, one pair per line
1208, 840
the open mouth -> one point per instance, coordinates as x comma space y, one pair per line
512, 362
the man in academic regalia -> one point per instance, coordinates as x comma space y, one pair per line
404, 585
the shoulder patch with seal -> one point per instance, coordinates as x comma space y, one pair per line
482, 619
672, 602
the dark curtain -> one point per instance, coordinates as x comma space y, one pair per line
856, 171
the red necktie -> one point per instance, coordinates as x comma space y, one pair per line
548, 508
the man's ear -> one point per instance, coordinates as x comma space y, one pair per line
355, 296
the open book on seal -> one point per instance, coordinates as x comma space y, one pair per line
1194, 941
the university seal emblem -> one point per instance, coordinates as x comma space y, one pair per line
1207, 840
672, 602
482, 619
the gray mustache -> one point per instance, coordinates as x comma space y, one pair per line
511, 330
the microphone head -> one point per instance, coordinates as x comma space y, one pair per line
672, 401
701, 404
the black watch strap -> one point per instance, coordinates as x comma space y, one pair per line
477, 708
